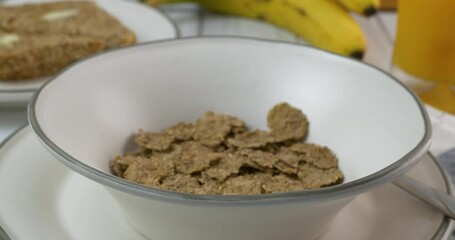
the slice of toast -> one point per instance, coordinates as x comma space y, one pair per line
31, 56
72, 18
41, 39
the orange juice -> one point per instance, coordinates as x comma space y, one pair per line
425, 48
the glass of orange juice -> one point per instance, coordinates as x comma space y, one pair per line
424, 53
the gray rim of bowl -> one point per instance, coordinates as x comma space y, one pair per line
444, 229
382, 176
156, 10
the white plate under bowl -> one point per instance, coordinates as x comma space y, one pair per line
42, 199
147, 23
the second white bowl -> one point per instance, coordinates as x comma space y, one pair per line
89, 113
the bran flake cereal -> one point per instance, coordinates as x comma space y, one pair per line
218, 155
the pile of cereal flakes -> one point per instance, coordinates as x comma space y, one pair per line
218, 155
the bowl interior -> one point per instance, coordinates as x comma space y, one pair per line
92, 110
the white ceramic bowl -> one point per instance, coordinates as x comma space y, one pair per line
89, 113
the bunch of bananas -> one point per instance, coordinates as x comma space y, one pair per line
326, 24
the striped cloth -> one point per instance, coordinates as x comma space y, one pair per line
447, 160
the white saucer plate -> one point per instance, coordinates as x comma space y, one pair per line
147, 23
42, 199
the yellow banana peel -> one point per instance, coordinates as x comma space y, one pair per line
322, 23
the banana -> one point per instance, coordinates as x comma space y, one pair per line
364, 7
322, 23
